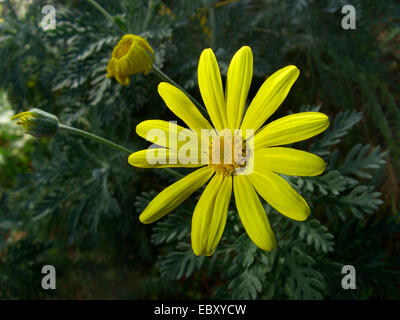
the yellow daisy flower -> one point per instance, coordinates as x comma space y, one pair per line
227, 113
132, 54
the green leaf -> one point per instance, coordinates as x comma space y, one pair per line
302, 281
342, 124
361, 158
316, 235
171, 228
180, 263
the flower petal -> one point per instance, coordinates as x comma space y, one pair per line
269, 97
279, 194
290, 161
209, 217
210, 85
167, 134
133, 54
164, 158
291, 128
237, 87
183, 107
171, 197
111, 68
252, 214
124, 80
136, 60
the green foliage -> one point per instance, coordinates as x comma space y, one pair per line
343, 122
293, 271
14, 148
358, 160
173, 227
316, 234
76, 203
303, 282
180, 263
247, 276
17, 264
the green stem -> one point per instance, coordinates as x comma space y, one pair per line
213, 26
174, 173
103, 11
166, 78
108, 143
148, 14
95, 137
212, 23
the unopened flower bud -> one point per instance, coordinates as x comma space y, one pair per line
38, 123
132, 54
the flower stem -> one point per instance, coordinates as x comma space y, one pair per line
103, 11
174, 173
95, 137
108, 143
213, 25
166, 78
148, 14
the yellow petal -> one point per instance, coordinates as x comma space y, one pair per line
171, 197
134, 62
164, 158
174, 135
220, 214
210, 85
252, 214
22, 115
133, 54
183, 107
111, 71
123, 80
138, 59
291, 128
289, 161
238, 83
279, 194
269, 97
209, 217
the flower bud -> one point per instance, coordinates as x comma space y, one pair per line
38, 123
132, 54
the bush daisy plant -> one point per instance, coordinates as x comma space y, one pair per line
232, 151
206, 181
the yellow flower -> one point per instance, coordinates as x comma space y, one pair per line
38, 123
227, 111
132, 54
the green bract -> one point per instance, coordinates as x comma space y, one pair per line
38, 123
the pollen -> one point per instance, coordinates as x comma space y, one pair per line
227, 152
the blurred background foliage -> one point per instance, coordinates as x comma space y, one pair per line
74, 204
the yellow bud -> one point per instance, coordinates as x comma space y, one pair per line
37, 123
132, 54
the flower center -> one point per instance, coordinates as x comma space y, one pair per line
227, 152
122, 48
